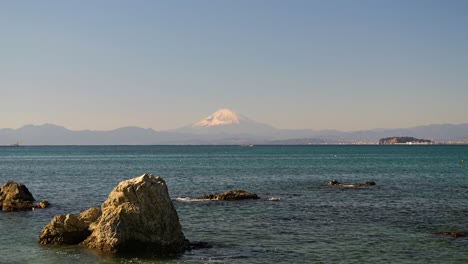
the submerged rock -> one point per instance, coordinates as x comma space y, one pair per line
355, 185
333, 183
69, 229
16, 197
452, 234
198, 245
231, 195
138, 216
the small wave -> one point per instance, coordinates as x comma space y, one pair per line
189, 199
274, 199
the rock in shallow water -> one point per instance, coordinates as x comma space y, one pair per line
452, 234
16, 197
230, 196
138, 216
69, 229
355, 185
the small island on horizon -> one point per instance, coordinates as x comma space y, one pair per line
403, 140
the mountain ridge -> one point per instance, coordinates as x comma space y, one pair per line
222, 127
58, 135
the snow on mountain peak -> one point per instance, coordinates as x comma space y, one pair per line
221, 117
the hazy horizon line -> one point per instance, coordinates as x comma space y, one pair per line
172, 129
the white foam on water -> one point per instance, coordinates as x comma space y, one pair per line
189, 199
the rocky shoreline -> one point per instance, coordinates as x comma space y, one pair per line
137, 216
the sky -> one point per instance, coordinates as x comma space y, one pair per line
345, 65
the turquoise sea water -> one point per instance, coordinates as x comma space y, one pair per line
420, 190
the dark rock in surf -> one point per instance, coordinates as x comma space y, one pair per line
16, 197
198, 245
333, 183
231, 195
355, 185
452, 234
69, 229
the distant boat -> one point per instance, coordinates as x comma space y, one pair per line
17, 144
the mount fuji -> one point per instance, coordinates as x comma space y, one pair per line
222, 117
227, 122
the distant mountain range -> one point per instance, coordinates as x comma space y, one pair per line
222, 127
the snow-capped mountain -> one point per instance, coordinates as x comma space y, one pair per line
226, 121
222, 117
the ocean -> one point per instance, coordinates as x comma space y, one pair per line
419, 191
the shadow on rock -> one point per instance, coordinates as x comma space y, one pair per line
69, 229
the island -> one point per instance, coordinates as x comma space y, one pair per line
403, 140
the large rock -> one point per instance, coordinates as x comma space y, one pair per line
69, 229
231, 195
138, 216
16, 197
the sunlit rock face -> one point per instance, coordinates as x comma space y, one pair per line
138, 216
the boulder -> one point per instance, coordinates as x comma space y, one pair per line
138, 216
16, 197
69, 229
231, 195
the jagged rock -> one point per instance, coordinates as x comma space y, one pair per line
355, 185
41, 205
16, 197
11, 190
231, 195
138, 216
69, 229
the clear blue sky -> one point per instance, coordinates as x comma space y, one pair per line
344, 65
